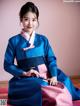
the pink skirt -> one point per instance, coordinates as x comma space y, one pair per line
56, 96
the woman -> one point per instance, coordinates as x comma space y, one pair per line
37, 81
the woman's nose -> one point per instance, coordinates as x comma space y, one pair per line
30, 22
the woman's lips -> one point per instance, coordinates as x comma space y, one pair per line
29, 27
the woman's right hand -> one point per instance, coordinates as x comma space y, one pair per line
32, 72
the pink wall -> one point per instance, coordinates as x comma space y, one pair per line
59, 21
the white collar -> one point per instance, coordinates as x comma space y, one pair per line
27, 36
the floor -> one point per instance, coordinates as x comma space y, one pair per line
76, 81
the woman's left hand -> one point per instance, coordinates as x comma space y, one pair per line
53, 81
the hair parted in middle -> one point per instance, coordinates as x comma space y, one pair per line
28, 7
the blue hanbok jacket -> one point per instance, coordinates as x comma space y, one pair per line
23, 91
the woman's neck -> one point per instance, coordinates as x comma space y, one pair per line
30, 33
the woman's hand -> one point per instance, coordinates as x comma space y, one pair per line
32, 72
53, 81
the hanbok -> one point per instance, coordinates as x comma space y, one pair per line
33, 91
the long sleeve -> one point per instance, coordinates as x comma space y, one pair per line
9, 65
51, 59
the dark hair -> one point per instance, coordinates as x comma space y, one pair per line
28, 7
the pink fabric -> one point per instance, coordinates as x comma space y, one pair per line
43, 70
56, 96
76, 103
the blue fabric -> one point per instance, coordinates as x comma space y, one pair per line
27, 91
30, 62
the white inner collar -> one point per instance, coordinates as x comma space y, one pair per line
28, 38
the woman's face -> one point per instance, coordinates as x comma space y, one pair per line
29, 22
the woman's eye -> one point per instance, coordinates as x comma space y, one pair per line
26, 19
34, 19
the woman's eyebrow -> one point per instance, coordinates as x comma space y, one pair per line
28, 17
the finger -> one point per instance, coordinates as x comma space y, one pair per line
54, 83
33, 74
51, 82
36, 73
